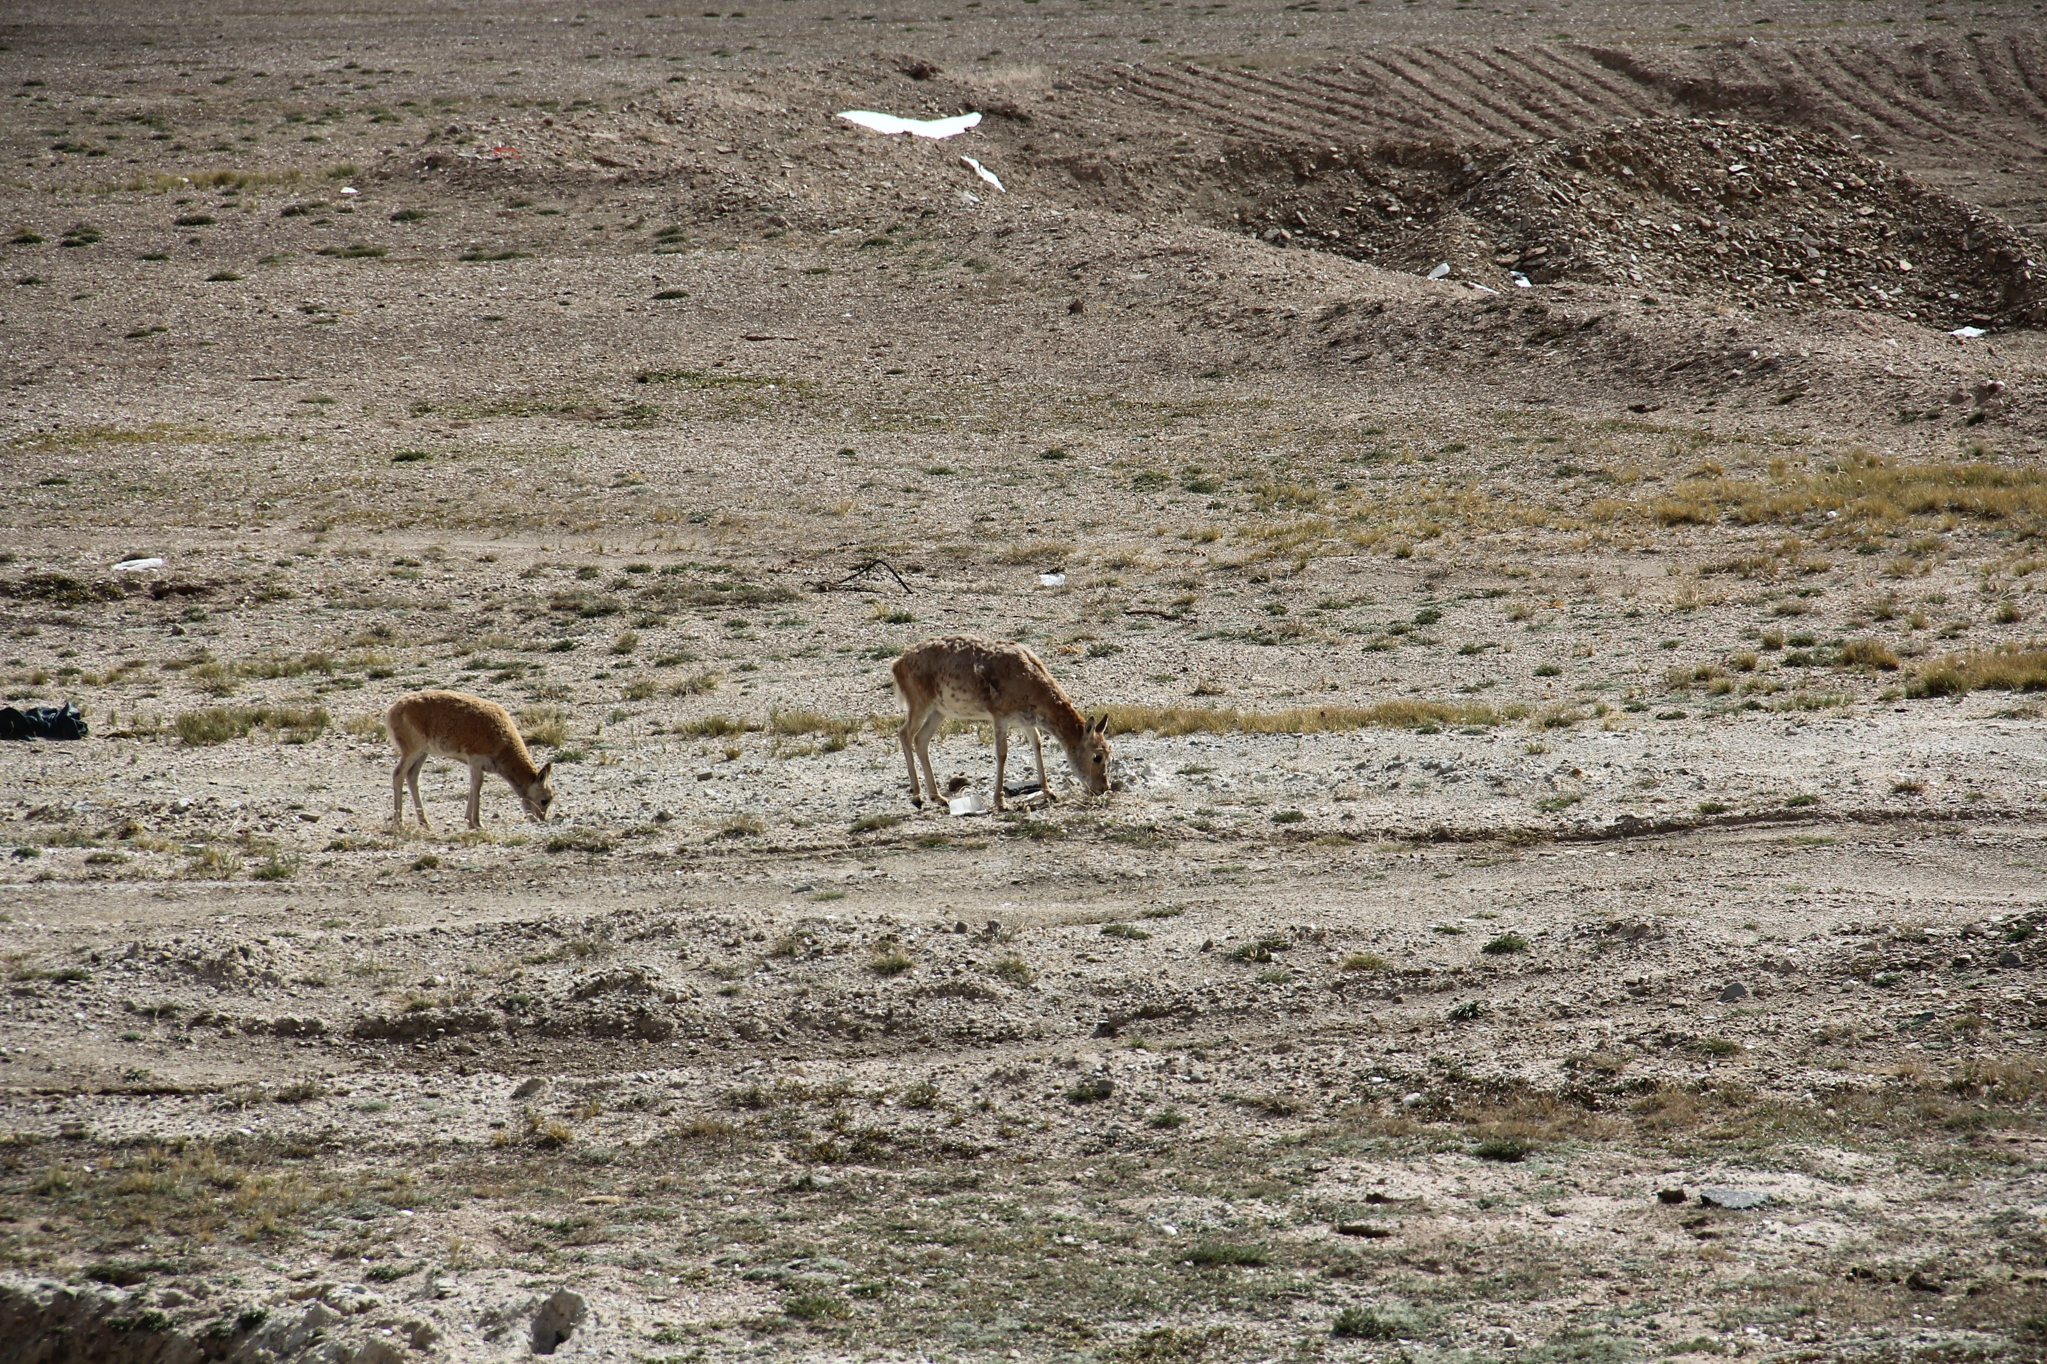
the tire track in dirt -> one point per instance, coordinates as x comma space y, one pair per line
2006, 80
1476, 90
1454, 119
1584, 67
2031, 74
1217, 111
1925, 101
1565, 107
1343, 106
1882, 92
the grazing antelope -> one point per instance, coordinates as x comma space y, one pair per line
964, 677
469, 729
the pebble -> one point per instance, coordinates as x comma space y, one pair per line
1733, 991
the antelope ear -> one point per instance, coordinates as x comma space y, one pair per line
547, 769
1099, 724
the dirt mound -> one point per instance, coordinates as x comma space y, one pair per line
1713, 209
1957, 112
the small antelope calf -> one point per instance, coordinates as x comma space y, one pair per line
964, 677
469, 729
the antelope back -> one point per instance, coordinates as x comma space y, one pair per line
467, 726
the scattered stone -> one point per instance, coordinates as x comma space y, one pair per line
1769, 216
1670, 1195
529, 1087
1371, 1231
2010, 958
1733, 991
1736, 1199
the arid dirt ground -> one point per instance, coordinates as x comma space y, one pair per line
1572, 891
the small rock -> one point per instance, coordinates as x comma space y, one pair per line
1921, 1282
1736, 1199
1733, 991
529, 1087
2010, 958
1670, 1195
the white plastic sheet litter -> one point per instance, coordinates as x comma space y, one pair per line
1968, 333
137, 565
1521, 281
969, 804
1052, 579
1440, 271
984, 172
889, 124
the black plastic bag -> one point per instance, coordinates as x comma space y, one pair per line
42, 722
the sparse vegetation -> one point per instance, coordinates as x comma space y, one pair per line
1175, 721
2009, 668
890, 960
220, 724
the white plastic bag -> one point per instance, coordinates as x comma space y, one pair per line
984, 172
889, 125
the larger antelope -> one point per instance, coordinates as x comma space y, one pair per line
469, 729
968, 678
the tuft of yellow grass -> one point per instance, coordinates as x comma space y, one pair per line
544, 725
2012, 667
1869, 653
218, 724
797, 721
160, 183
1865, 489
1174, 721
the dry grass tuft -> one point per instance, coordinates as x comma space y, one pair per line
1868, 653
547, 726
1173, 721
792, 723
218, 724
2010, 668
1865, 491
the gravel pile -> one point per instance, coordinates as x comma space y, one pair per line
1720, 209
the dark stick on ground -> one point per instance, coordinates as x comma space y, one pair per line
866, 569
